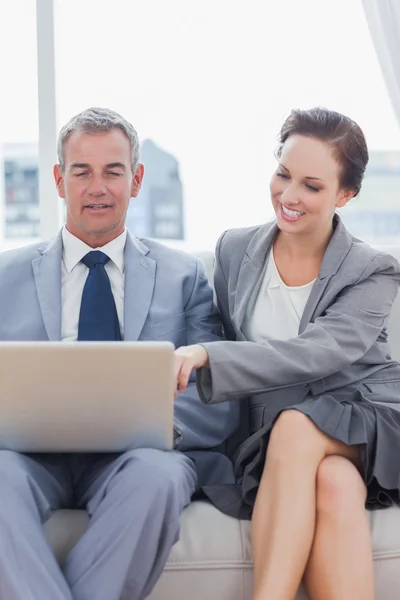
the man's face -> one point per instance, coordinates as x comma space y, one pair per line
97, 184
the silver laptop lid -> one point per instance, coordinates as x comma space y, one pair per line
86, 396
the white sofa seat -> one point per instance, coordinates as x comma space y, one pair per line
212, 560
213, 556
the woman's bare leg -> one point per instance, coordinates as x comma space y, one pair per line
284, 517
340, 565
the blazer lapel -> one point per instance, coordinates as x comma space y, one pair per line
140, 275
250, 271
337, 250
47, 274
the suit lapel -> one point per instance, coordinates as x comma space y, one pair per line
251, 269
140, 274
47, 274
314, 298
337, 250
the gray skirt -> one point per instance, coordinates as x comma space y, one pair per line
366, 418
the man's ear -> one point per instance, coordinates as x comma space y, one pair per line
137, 180
344, 197
59, 179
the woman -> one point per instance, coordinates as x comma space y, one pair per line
308, 305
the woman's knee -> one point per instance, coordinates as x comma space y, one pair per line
293, 436
339, 487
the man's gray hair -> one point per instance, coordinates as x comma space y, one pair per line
96, 120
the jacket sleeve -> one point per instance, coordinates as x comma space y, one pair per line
198, 426
341, 336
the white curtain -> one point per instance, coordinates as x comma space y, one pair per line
383, 17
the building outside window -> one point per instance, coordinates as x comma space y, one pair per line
21, 183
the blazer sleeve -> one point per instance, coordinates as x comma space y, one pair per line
197, 426
342, 335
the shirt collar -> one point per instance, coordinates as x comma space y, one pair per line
74, 250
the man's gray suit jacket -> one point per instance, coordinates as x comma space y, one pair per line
167, 297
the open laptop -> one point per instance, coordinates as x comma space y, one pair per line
86, 396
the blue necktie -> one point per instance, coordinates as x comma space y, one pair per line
98, 319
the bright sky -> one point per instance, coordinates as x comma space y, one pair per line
209, 81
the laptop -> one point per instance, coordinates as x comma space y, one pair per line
86, 396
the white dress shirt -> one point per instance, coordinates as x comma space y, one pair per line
275, 309
73, 278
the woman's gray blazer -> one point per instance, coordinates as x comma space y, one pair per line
338, 370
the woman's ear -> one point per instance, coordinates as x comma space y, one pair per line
344, 197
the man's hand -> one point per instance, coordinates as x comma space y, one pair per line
188, 358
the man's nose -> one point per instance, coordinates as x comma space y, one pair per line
97, 186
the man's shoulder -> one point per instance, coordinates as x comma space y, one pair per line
20, 256
169, 257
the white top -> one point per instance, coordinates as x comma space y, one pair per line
275, 309
73, 278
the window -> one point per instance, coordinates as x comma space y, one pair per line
207, 86
19, 196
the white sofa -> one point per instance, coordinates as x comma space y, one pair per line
212, 560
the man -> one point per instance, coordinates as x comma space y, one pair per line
95, 281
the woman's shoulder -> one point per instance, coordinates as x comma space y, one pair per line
350, 256
366, 258
237, 239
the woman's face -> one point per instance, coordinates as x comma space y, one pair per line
305, 187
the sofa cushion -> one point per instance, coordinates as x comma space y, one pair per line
208, 261
64, 529
219, 545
